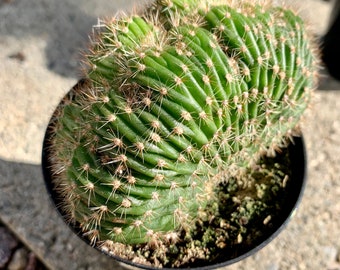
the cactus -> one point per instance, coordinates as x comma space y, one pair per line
177, 99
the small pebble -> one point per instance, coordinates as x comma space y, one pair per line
19, 260
18, 56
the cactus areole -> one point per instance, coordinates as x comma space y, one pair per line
181, 106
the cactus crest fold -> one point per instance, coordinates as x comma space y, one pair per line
177, 99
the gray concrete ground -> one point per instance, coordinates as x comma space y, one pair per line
39, 45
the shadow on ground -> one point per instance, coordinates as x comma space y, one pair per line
63, 23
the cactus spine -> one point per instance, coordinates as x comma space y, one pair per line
177, 99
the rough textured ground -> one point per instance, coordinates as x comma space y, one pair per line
14, 255
39, 45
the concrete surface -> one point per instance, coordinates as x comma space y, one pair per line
39, 49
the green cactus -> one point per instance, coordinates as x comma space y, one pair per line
178, 99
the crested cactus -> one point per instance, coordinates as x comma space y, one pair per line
177, 100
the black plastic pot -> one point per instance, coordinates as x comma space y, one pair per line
297, 156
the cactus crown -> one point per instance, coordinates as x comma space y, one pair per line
178, 99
